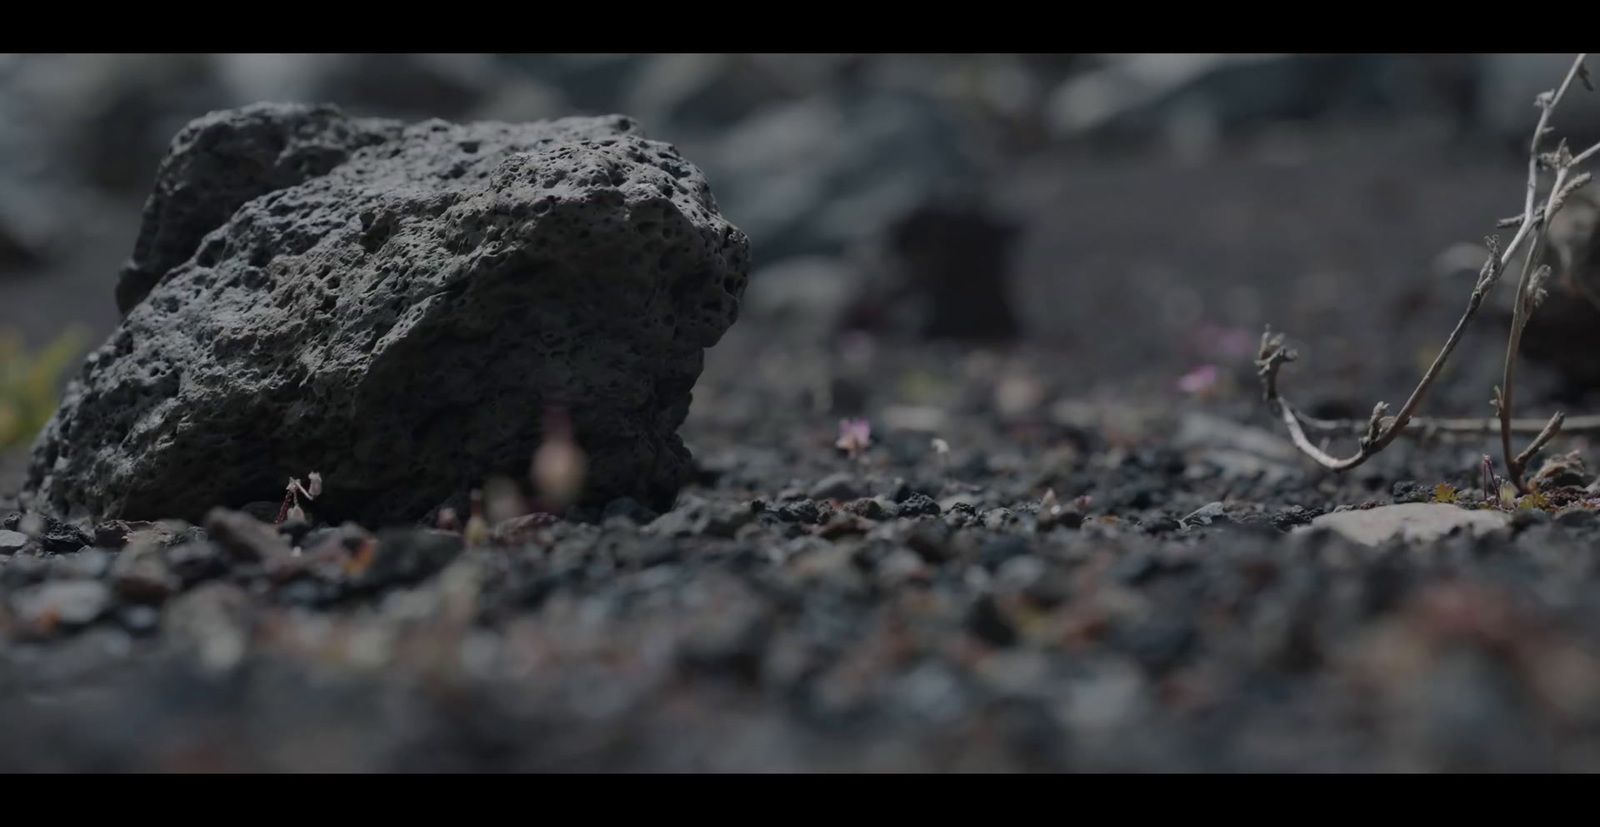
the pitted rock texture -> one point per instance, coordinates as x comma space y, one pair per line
401, 320
220, 162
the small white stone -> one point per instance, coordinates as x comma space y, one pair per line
1420, 522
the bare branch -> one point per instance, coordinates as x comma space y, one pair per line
1273, 356
1547, 102
1548, 433
1530, 285
1380, 431
1452, 426
1516, 220
1533, 224
1586, 154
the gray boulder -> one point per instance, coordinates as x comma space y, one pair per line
395, 307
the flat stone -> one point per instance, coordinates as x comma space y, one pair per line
70, 602
12, 542
1417, 522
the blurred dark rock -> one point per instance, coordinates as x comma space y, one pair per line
245, 538
841, 486
399, 85
594, 83
407, 556
141, 575
211, 624
1507, 86
1564, 332
405, 86
810, 291
196, 561
688, 94
953, 264
64, 602
1193, 100
696, 516
17, 252
819, 175
54, 535
380, 322
105, 119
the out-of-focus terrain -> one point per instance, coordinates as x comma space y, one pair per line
1076, 540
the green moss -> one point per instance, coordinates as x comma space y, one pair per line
1536, 500
30, 383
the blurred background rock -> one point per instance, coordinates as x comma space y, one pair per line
1159, 194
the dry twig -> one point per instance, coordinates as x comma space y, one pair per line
1380, 429
1530, 287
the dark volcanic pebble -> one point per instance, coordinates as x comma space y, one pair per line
51, 533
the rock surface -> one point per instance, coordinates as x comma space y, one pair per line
12, 541
393, 307
224, 160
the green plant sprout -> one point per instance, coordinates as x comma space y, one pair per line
30, 383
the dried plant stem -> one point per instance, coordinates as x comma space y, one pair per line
1426, 426
1526, 299
1549, 433
1380, 430
1586, 154
1533, 224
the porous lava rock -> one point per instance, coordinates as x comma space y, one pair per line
396, 307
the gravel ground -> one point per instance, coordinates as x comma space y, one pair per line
1097, 572
800, 609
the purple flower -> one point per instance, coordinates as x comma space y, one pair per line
1200, 380
854, 436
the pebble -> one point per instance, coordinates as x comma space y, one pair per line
841, 486
1576, 517
65, 602
919, 504
12, 542
245, 538
141, 575
1205, 515
213, 623
195, 561
873, 508
1407, 491
52, 534
1417, 522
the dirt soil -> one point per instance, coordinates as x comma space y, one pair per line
1049, 557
